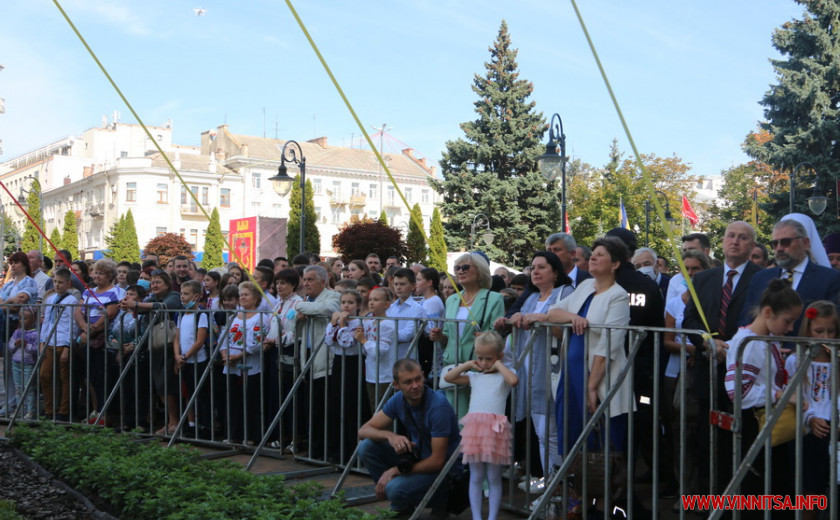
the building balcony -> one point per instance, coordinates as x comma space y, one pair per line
190, 209
358, 199
96, 210
337, 199
393, 202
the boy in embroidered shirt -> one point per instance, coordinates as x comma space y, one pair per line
58, 315
376, 337
191, 354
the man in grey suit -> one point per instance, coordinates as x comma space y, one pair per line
313, 315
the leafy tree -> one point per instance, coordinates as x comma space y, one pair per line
356, 241
11, 235
595, 196
132, 244
492, 169
214, 243
168, 245
437, 244
55, 238
417, 251
70, 235
30, 233
313, 237
802, 111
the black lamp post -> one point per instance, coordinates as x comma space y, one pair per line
552, 164
283, 183
668, 215
816, 202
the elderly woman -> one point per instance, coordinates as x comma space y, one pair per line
19, 289
476, 308
161, 298
549, 284
100, 305
602, 302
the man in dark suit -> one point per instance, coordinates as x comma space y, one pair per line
813, 282
722, 294
645, 262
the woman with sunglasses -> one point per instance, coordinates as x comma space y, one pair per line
20, 288
476, 308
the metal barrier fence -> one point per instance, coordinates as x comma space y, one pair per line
311, 398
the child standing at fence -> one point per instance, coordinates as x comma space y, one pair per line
486, 436
23, 347
377, 338
344, 380
821, 321
779, 308
191, 355
55, 365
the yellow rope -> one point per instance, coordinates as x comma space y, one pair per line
645, 174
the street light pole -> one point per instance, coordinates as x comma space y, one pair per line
488, 235
668, 215
816, 202
551, 163
284, 182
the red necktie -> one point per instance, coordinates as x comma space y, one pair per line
724, 301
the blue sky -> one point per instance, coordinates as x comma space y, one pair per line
688, 75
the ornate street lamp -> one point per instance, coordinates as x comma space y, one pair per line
551, 164
668, 215
283, 183
488, 235
816, 202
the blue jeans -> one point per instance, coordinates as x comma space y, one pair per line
403, 491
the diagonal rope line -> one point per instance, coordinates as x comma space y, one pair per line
154, 141
645, 173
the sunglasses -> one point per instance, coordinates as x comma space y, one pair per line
785, 242
463, 267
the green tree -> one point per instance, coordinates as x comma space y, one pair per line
417, 251
70, 235
31, 236
492, 169
55, 238
802, 109
131, 242
11, 235
214, 243
595, 196
313, 237
437, 243
383, 217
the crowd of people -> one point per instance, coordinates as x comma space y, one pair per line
358, 331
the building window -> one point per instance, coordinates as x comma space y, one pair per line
183, 194
424, 196
317, 213
131, 192
193, 205
390, 195
160, 231
194, 239
354, 189
123, 154
205, 195
224, 197
336, 190
316, 186
162, 194
373, 191
336, 216
409, 195
256, 181
256, 206
183, 233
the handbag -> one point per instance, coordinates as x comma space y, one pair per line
163, 334
785, 428
595, 471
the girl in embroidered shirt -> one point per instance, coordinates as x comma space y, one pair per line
821, 321
486, 436
780, 306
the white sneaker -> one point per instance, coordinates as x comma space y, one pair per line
535, 486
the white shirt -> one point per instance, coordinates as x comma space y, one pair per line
739, 270
411, 311
378, 337
798, 271
186, 335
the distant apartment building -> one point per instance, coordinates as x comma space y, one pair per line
108, 170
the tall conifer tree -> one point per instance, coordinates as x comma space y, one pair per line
214, 243
313, 237
437, 243
70, 236
416, 243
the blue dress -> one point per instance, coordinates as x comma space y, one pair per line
577, 398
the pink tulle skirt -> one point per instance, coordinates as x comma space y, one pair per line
486, 437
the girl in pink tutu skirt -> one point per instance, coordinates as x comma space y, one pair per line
486, 436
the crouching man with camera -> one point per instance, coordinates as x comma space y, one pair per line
404, 468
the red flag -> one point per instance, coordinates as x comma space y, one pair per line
566, 227
688, 213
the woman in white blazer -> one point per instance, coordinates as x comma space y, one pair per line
599, 301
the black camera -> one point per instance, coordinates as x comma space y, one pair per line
407, 460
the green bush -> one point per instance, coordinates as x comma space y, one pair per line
8, 511
142, 480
